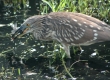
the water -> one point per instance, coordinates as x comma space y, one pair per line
42, 67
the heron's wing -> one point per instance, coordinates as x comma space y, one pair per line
71, 28
95, 20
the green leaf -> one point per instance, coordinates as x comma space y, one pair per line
19, 72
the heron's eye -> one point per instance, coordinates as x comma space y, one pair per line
27, 25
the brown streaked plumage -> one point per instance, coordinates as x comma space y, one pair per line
68, 28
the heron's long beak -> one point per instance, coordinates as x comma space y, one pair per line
20, 32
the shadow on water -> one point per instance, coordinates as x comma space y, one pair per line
27, 59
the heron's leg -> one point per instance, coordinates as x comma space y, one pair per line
67, 51
80, 52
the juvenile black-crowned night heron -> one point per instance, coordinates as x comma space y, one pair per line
68, 28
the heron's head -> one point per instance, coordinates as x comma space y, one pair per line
25, 28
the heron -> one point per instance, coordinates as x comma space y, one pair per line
68, 28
